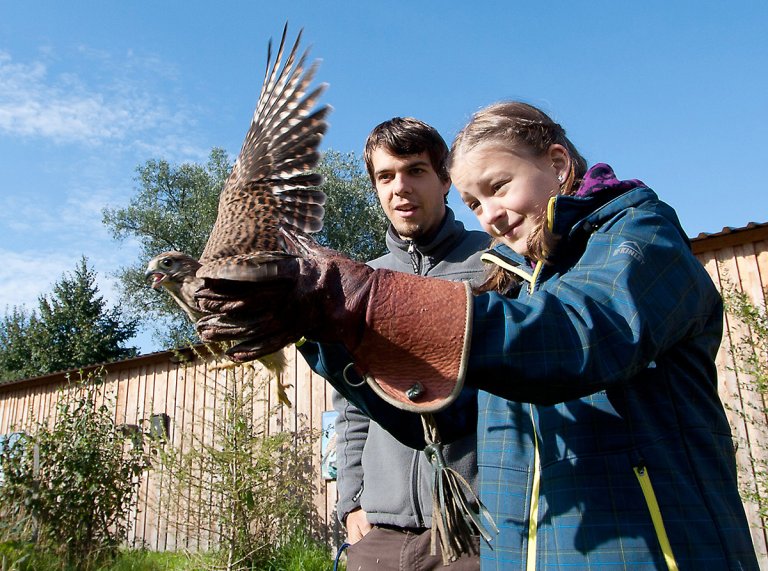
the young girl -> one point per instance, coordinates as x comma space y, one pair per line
602, 441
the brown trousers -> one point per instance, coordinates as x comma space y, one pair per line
395, 549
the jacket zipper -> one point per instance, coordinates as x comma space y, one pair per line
658, 522
416, 266
415, 258
533, 511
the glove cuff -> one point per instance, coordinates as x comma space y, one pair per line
415, 347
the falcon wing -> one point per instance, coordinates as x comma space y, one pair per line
270, 186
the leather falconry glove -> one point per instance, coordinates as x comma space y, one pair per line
398, 327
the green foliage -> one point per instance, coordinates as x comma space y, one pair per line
255, 486
24, 556
354, 221
16, 345
300, 553
72, 486
750, 355
72, 328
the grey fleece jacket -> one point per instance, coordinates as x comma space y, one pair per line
389, 480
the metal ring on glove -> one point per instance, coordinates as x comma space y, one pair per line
346, 379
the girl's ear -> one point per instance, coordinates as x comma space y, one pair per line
561, 161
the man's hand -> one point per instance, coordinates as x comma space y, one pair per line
357, 525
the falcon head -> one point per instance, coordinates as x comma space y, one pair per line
170, 270
175, 273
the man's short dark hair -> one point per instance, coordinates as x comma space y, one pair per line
405, 136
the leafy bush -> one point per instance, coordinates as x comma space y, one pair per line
750, 356
69, 488
255, 487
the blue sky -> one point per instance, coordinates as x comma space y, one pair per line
673, 93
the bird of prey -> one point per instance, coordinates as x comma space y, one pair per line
270, 187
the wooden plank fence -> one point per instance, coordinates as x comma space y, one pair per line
189, 392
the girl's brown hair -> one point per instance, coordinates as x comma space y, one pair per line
517, 124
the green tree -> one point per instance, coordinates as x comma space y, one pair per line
72, 327
15, 344
175, 209
354, 221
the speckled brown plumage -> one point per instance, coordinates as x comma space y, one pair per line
270, 186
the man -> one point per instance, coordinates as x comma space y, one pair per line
385, 494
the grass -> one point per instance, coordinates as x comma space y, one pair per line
298, 555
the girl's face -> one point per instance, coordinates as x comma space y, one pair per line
508, 189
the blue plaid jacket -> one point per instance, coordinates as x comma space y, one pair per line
602, 441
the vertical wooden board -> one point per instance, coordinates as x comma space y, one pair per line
15, 419
761, 251
175, 406
276, 411
749, 273
303, 380
3, 413
202, 419
57, 396
165, 378
35, 406
318, 407
176, 411
193, 391
7, 405
260, 403
22, 408
149, 519
6, 401
49, 393
121, 397
289, 381
331, 495
144, 375
133, 387
731, 394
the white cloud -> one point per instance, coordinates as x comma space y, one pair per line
65, 108
26, 275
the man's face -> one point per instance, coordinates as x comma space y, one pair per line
410, 192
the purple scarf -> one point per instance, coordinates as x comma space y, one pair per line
600, 177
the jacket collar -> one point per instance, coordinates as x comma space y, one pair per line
436, 246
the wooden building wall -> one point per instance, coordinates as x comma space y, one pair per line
158, 383
738, 260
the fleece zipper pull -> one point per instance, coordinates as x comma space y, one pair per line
415, 257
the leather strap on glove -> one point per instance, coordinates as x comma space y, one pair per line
409, 335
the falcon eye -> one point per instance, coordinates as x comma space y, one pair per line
166, 262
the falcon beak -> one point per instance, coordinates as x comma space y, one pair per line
157, 278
